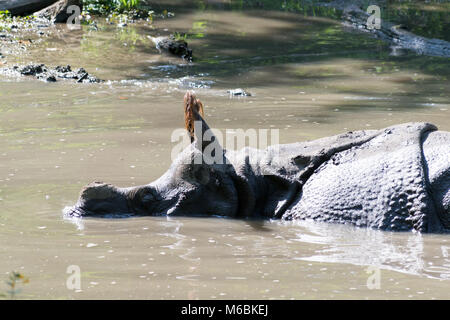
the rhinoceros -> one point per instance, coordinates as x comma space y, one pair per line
395, 178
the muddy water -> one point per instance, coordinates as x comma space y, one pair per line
308, 77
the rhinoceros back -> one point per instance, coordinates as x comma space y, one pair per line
381, 184
436, 150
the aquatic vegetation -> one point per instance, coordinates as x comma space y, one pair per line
426, 19
15, 278
105, 7
180, 36
123, 11
101, 7
198, 29
5, 15
8, 22
128, 4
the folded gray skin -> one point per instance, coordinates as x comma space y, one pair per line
396, 178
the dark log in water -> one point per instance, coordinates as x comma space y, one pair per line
24, 7
354, 16
57, 12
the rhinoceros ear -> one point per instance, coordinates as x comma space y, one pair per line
198, 129
193, 108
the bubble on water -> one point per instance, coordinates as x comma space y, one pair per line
190, 277
235, 278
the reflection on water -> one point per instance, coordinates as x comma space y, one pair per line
308, 78
403, 252
226, 258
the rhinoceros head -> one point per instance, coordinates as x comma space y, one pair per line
199, 182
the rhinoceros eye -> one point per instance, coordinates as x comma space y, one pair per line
149, 195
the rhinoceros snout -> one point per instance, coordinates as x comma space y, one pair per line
100, 199
74, 211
